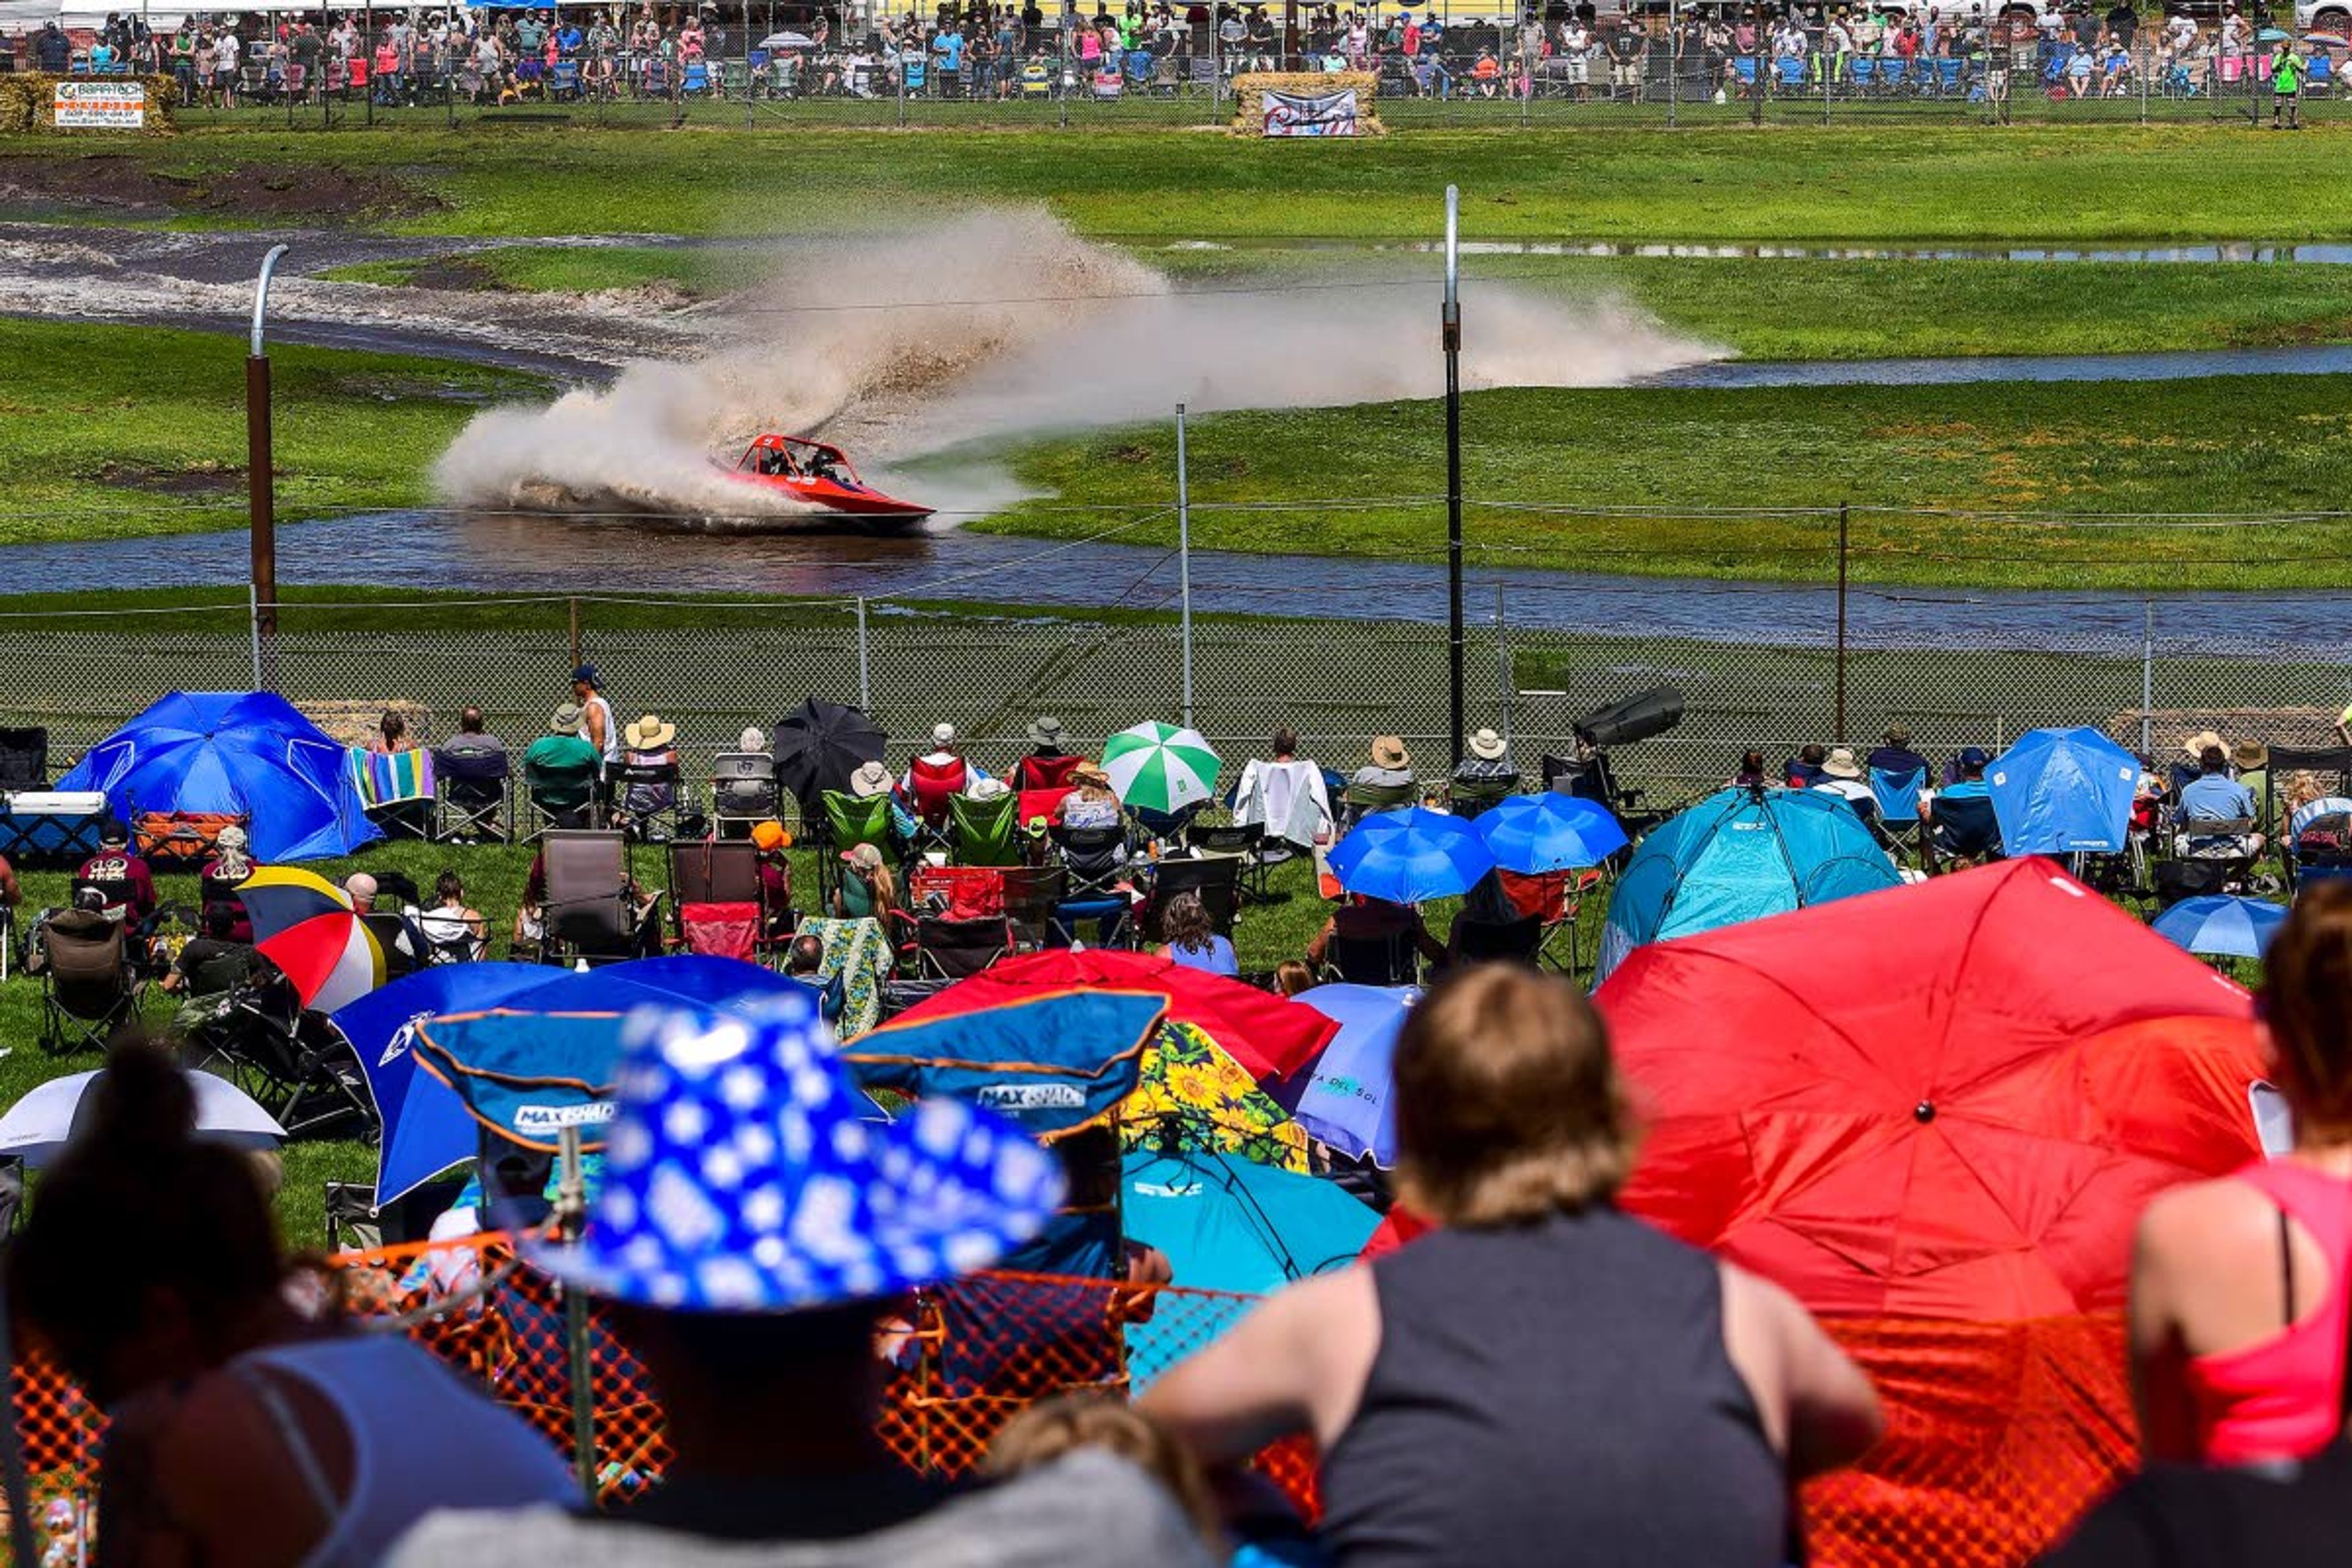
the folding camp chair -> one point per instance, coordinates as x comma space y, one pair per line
643, 794
957, 950
24, 760
986, 832
719, 900
590, 912
1897, 795
1243, 842
565, 797
1214, 880
1375, 960
1032, 894
396, 791
1474, 941
404, 947
88, 987
847, 821
477, 790
450, 938
742, 792
1964, 830
1468, 798
1359, 801
1034, 772
1094, 860
294, 1063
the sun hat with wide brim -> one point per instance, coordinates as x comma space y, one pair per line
1388, 751
870, 780
567, 719
2196, 745
649, 733
1487, 746
1840, 764
741, 1174
1045, 732
2250, 754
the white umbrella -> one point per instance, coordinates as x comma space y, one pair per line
786, 41
37, 1127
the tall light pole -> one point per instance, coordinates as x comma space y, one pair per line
261, 486
1450, 334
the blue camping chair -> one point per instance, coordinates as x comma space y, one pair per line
1863, 69
1947, 75
1791, 69
1744, 66
1966, 829
1891, 72
2323, 72
565, 82
1897, 795
698, 79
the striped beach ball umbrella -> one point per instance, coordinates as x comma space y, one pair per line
306, 926
1160, 767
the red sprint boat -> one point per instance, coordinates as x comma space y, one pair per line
820, 474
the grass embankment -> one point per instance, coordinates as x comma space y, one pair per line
1267, 934
1963, 183
2231, 443
110, 431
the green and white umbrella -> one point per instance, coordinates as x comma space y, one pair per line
1160, 767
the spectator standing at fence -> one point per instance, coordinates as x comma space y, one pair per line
822, 1220
227, 60
2239, 1286
1544, 1369
596, 725
2286, 85
241, 1430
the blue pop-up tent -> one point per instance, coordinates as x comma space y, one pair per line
239, 753
1739, 855
2062, 791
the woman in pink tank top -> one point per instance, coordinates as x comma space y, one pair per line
2239, 1296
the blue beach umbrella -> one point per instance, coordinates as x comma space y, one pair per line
2062, 791
1535, 833
233, 753
426, 1128
1347, 1095
542, 1057
1411, 855
2221, 926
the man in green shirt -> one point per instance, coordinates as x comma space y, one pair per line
2286, 84
559, 770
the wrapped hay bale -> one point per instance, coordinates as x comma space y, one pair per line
106, 104
1308, 103
354, 724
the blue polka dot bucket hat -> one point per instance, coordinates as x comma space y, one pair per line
745, 1172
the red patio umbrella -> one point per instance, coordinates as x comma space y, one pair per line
1934, 1114
1267, 1036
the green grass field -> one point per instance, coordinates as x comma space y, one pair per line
2222, 445
109, 431
1906, 181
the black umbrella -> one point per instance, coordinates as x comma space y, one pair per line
821, 745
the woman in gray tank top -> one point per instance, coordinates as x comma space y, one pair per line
1544, 1379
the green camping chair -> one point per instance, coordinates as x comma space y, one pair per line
1469, 798
1358, 802
850, 820
564, 794
986, 832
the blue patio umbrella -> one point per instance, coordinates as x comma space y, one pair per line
1229, 1223
1534, 833
1739, 855
2221, 926
233, 753
1411, 855
426, 1127
543, 1057
1345, 1097
2062, 791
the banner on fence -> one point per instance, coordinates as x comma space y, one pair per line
100, 105
1318, 114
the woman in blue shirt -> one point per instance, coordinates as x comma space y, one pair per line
1192, 940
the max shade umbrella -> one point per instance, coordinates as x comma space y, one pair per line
2062, 791
1411, 855
1160, 767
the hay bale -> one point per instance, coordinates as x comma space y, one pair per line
1250, 89
28, 102
354, 724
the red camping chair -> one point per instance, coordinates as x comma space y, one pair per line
967, 893
1045, 773
936, 783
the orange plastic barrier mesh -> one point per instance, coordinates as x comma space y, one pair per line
1999, 1434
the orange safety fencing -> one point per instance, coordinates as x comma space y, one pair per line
1999, 1434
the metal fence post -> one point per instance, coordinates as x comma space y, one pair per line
865, 662
1673, 59
1503, 695
2147, 680
1184, 564
1837, 729
574, 604
252, 623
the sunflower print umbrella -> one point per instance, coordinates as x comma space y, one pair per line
1195, 1098
1160, 767
306, 926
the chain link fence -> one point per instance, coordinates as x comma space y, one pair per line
1338, 683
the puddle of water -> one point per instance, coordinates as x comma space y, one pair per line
2180, 364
